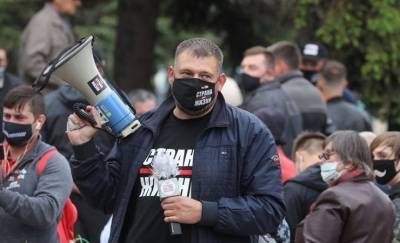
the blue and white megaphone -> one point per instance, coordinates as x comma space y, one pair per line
76, 66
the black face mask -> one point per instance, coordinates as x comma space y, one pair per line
385, 170
17, 134
249, 83
309, 75
194, 96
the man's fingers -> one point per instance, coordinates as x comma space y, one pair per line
169, 213
95, 114
170, 200
168, 206
74, 123
171, 219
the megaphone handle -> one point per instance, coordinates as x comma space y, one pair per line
80, 110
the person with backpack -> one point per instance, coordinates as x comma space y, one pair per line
36, 180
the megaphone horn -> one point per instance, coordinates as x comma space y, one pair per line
76, 66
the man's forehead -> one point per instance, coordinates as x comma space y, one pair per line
187, 60
254, 59
24, 109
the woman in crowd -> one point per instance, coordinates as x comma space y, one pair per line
385, 150
351, 209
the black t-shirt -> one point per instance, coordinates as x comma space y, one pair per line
144, 221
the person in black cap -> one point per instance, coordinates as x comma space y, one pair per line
314, 56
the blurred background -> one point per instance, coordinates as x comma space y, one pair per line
137, 37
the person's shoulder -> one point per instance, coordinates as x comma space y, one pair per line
12, 79
40, 16
147, 116
47, 149
243, 117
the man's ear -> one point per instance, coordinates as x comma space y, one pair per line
220, 82
171, 74
40, 121
280, 68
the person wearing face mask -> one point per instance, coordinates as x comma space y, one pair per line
385, 150
229, 175
262, 91
7, 82
351, 209
314, 55
30, 203
307, 97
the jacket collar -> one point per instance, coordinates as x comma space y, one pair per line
357, 175
36, 151
335, 99
274, 84
290, 75
219, 115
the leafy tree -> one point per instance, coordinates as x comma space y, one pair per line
13, 17
364, 34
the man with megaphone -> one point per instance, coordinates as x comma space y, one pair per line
228, 174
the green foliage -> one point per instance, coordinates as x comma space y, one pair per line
14, 15
100, 21
365, 35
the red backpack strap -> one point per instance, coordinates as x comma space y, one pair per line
44, 159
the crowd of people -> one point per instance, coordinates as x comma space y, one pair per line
282, 154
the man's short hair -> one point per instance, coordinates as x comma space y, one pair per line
288, 52
333, 72
256, 50
23, 95
200, 47
312, 142
390, 139
140, 95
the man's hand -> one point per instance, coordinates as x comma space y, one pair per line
182, 210
80, 131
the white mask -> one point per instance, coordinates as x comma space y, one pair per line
329, 173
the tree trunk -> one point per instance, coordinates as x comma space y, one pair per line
134, 52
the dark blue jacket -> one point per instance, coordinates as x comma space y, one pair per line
236, 175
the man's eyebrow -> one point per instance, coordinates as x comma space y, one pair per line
185, 70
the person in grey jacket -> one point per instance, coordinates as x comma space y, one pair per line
262, 91
46, 35
30, 203
306, 96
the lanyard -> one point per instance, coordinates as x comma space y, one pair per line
6, 167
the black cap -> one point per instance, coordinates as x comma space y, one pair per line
274, 119
314, 51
